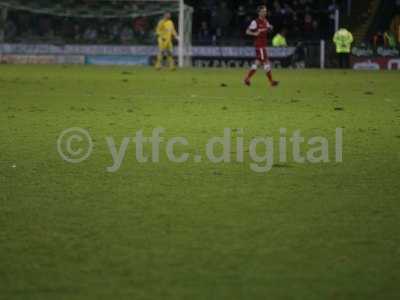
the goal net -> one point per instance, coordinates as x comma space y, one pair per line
115, 22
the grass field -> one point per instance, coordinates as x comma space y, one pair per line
197, 230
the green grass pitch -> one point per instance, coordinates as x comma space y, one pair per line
197, 230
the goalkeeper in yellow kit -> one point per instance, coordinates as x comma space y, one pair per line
165, 33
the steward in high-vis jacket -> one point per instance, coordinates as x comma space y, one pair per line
343, 40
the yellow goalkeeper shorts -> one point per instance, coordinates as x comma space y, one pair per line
165, 44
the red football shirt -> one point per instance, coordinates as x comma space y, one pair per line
263, 25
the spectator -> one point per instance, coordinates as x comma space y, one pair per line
68, 29
103, 33
295, 27
225, 18
77, 33
279, 39
214, 18
126, 34
217, 36
115, 32
299, 57
140, 27
44, 25
378, 40
241, 21
308, 26
276, 6
332, 15
205, 36
395, 27
315, 32
90, 34
390, 40
24, 23
296, 5
10, 30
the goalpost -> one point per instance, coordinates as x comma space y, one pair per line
185, 17
118, 10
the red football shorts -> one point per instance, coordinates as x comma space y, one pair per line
261, 55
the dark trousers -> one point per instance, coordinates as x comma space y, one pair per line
344, 60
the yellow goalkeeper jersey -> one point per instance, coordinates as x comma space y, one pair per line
166, 29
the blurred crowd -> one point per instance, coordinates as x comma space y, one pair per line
214, 23
223, 21
388, 37
26, 27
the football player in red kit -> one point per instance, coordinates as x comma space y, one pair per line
259, 30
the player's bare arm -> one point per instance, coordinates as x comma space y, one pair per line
253, 32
